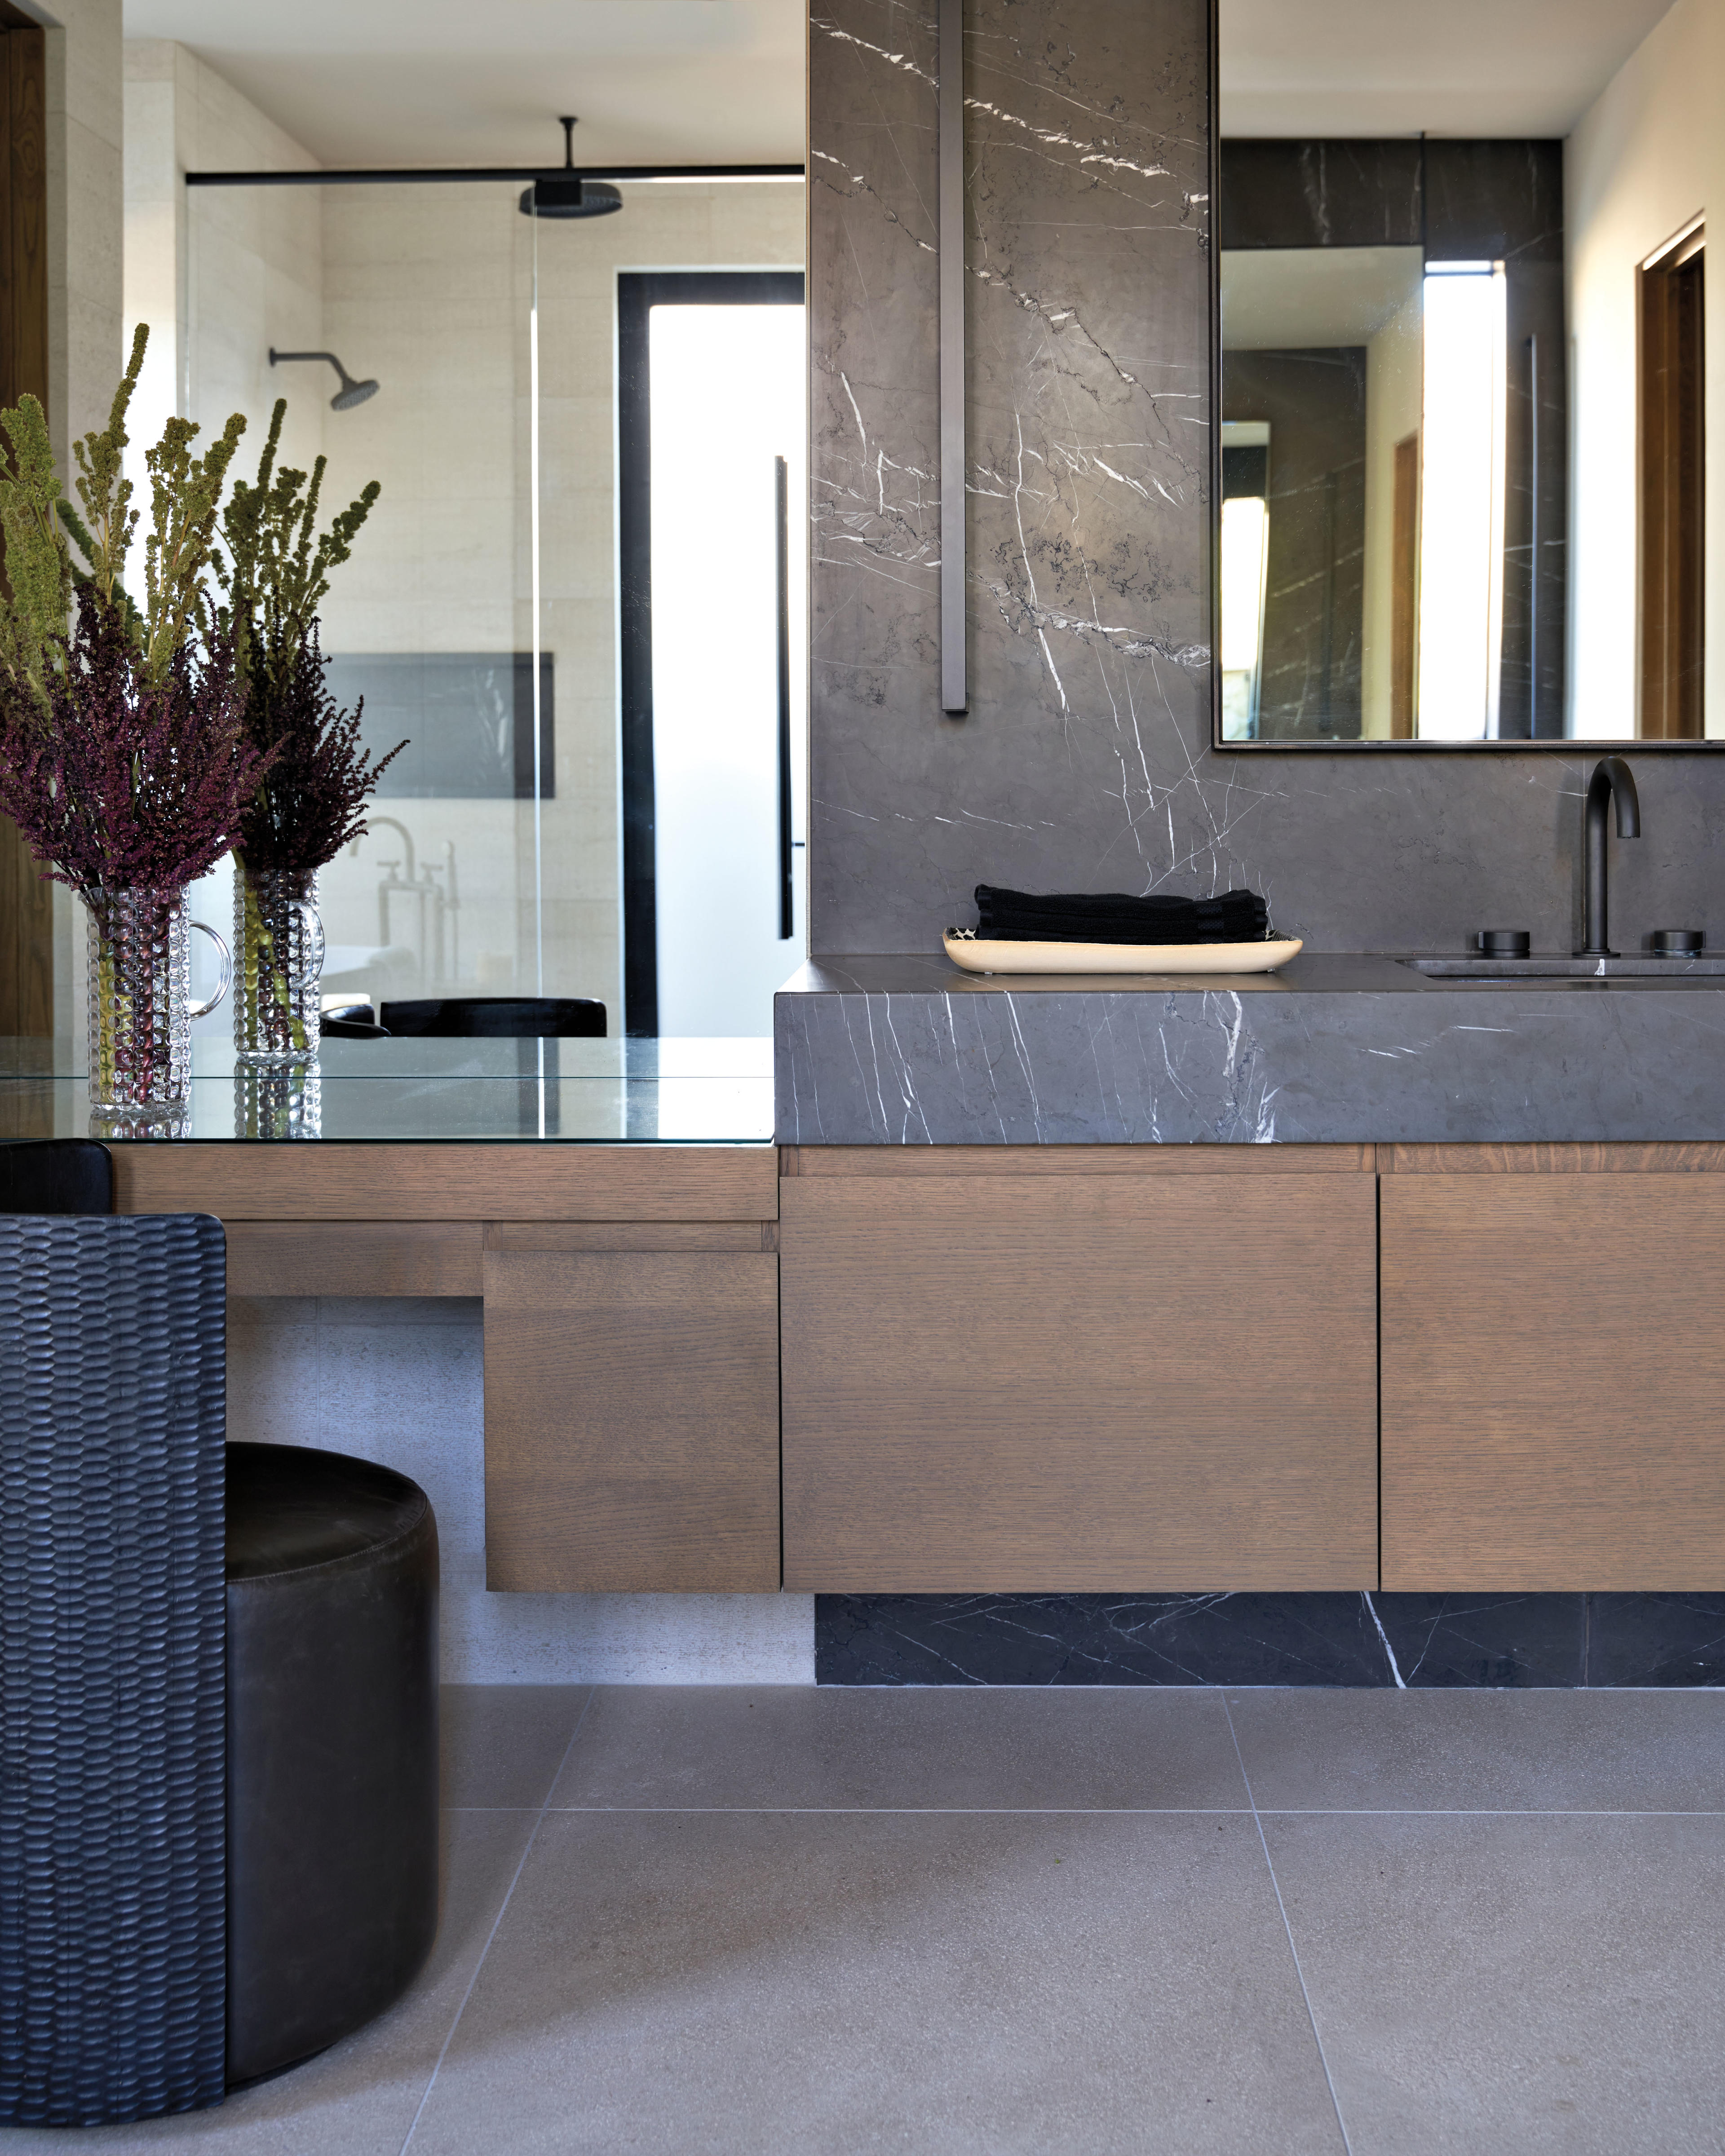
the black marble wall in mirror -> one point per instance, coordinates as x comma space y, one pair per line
1484, 201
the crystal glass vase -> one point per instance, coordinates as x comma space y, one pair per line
139, 1002
278, 939
274, 1100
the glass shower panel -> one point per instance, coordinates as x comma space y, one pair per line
681, 927
426, 290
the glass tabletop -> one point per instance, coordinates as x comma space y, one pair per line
670, 1092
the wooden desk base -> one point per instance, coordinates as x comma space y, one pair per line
631, 1311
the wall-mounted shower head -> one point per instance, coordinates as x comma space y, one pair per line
562, 194
350, 392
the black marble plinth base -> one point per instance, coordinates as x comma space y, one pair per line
1495, 1640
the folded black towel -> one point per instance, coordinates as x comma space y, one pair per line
1020, 916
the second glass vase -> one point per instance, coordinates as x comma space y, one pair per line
278, 964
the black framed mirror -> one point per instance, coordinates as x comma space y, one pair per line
1460, 372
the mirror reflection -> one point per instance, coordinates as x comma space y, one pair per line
1464, 374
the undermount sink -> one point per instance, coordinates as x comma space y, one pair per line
1640, 966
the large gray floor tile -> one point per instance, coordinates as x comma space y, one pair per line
1483, 1751
791, 1746
503, 1744
789, 1984
1514, 1986
359, 2097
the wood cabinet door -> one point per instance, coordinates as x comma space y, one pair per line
632, 1421
1554, 1382
1111, 1383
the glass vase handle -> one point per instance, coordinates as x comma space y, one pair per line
313, 971
203, 1010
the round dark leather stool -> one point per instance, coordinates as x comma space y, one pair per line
332, 1767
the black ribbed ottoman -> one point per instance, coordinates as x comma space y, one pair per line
332, 1769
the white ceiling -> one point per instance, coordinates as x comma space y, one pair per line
1399, 67
384, 82
1292, 299
480, 82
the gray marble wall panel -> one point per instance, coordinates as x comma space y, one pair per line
1086, 166
1085, 760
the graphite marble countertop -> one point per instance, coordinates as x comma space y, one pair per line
906, 1050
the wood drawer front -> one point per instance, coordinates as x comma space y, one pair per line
632, 1421
388, 1180
1553, 1382
1106, 1382
354, 1257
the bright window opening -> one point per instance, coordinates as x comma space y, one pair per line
1244, 570
1245, 544
726, 400
1462, 501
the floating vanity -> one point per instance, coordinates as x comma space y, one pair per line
1357, 1277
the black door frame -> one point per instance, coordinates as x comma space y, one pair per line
638, 293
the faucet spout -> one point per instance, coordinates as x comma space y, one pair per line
1612, 782
372, 824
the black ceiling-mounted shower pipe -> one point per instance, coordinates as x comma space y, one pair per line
375, 175
567, 194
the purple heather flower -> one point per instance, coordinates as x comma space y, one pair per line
120, 785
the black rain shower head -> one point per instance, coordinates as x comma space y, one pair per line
562, 194
350, 392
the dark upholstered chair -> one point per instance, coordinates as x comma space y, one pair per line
217, 1685
56, 1175
352, 1021
497, 1018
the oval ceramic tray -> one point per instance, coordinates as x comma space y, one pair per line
977, 956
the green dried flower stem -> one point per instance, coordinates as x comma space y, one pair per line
277, 566
258, 961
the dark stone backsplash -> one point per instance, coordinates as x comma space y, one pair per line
1085, 762
1499, 1641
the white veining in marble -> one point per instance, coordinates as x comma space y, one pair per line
908, 1052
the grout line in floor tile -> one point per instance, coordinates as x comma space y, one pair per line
1119, 1811
1482, 1811
1288, 1929
910, 1811
509, 1893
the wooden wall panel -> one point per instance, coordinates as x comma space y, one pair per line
362, 1181
1553, 1375
632, 1421
1107, 1381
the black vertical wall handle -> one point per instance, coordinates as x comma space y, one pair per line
1533, 537
950, 222
787, 889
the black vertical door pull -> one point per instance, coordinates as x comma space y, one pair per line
1533, 538
786, 895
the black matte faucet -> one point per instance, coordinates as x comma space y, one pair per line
1612, 778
